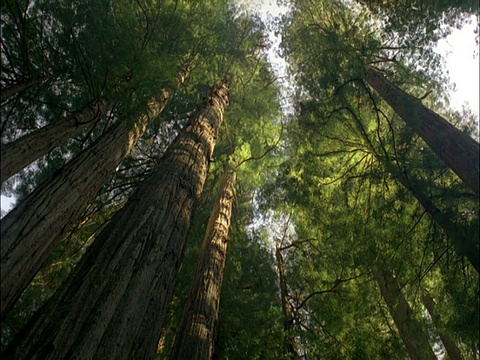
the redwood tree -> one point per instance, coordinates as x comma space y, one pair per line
114, 303
415, 340
7, 92
289, 341
463, 240
32, 230
25, 150
456, 149
453, 351
196, 334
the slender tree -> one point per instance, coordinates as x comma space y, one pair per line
452, 349
35, 227
415, 340
341, 129
456, 149
7, 92
463, 241
289, 340
196, 334
114, 303
25, 150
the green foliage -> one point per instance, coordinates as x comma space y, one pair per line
421, 21
348, 207
328, 44
250, 316
342, 169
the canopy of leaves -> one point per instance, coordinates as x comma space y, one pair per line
339, 185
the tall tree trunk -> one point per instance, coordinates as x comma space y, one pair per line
456, 149
452, 349
415, 340
25, 150
7, 92
289, 340
196, 334
463, 244
219, 348
32, 230
113, 304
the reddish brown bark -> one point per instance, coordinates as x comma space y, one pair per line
32, 230
25, 150
113, 304
196, 335
27, 242
456, 149
413, 337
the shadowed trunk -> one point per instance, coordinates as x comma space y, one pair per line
32, 230
415, 340
196, 335
463, 243
25, 150
113, 304
289, 340
7, 92
456, 149
452, 349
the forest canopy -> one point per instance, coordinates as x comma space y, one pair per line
180, 196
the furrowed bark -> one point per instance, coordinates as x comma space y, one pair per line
196, 334
25, 150
113, 304
415, 340
456, 149
289, 340
32, 230
452, 349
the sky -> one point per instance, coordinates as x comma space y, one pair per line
458, 49
461, 54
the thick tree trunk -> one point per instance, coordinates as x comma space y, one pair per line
7, 92
25, 150
196, 334
218, 349
113, 304
456, 149
415, 340
464, 245
289, 340
452, 349
32, 230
